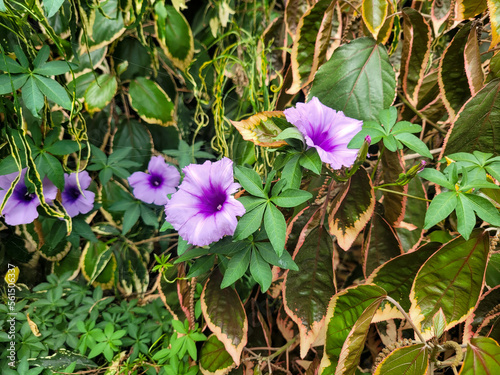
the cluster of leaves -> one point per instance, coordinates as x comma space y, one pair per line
64, 326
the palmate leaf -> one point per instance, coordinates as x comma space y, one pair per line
451, 279
32, 97
275, 225
53, 91
308, 290
15, 80
347, 321
231, 329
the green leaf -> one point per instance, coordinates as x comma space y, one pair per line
230, 329
388, 118
151, 103
292, 173
54, 68
451, 279
250, 181
260, 271
275, 225
415, 54
32, 97
358, 80
236, 267
436, 177
18, 80
453, 83
406, 127
484, 208
130, 217
201, 266
291, 198
9, 65
347, 321
251, 202
48, 165
478, 123
351, 209
174, 35
249, 222
52, 6
469, 8
214, 359
482, 357
374, 13
63, 147
267, 252
414, 143
409, 360
264, 129
290, 133
307, 291
53, 90
311, 42
100, 92
439, 323
465, 216
440, 208
311, 160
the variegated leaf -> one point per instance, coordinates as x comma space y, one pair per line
451, 279
262, 128
306, 292
351, 209
473, 69
231, 329
349, 315
374, 13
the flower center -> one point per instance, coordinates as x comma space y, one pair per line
21, 193
213, 201
156, 180
74, 193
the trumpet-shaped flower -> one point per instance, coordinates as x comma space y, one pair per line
154, 186
203, 210
72, 198
327, 130
21, 207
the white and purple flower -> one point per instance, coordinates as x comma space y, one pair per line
203, 210
327, 130
72, 198
154, 186
21, 207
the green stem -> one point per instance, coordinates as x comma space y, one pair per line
280, 350
399, 193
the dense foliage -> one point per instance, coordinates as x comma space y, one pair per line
237, 187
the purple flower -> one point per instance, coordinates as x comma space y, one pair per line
154, 186
327, 130
21, 208
203, 209
72, 198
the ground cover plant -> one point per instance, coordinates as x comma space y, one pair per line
237, 187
